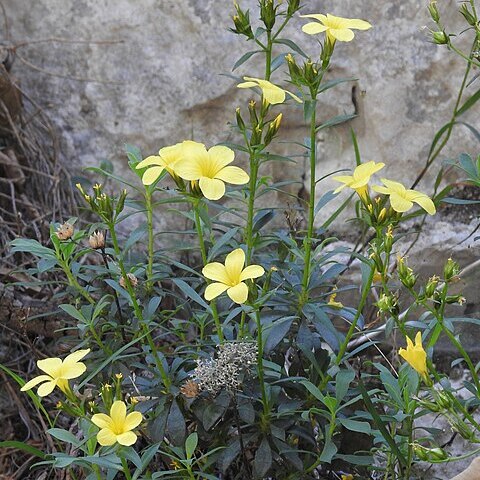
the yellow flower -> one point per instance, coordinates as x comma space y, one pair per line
415, 355
402, 199
333, 303
230, 277
210, 167
347, 477
58, 373
336, 28
165, 160
271, 93
118, 426
360, 178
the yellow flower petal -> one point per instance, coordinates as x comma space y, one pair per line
46, 388
425, 202
76, 356
357, 24
211, 188
380, 189
35, 381
127, 438
151, 160
50, 366
73, 370
188, 169
106, 437
272, 93
214, 290
194, 150
238, 293
118, 412
234, 175
216, 271
234, 265
151, 175
247, 85
133, 420
317, 16
220, 156
313, 28
399, 203
102, 420
394, 186
252, 271
341, 34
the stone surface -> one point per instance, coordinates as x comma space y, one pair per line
155, 79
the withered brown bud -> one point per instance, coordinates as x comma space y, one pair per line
133, 281
64, 231
97, 240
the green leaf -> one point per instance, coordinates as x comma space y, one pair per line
324, 199
292, 45
356, 426
244, 58
263, 459
22, 446
221, 242
343, 380
191, 444
64, 436
380, 424
339, 119
468, 104
191, 293
329, 450
276, 332
333, 83
176, 427
33, 247
73, 312
313, 390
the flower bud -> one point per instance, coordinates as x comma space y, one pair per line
64, 231
97, 240
256, 137
121, 202
463, 429
432, 8
133, 281
451, 269
431, 286
443, 400
240, 122
293, 6
252, 109
295, 73
455, 299
382, 215
440, 38
309, 72
273, 128
242, 23
469, 17
268, 13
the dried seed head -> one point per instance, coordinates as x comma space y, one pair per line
97, 240
190, 389
226, 370
64, 231
133, 281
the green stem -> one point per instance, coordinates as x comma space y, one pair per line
203, 250
351, 330
126, 470
266, 407
446, 138
311, 205
74, 282
251, 207
136, 307
149, 271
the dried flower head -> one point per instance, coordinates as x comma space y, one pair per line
234, 359
190, 389
64, 231
133, 281
97, 240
